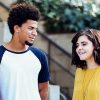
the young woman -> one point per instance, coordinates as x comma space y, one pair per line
86, 57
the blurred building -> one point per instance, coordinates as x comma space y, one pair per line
7, 2
98, 1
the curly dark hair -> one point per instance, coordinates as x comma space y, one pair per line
94, 36
20, 13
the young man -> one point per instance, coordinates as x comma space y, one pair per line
24, 71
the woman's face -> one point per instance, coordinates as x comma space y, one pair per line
84, 48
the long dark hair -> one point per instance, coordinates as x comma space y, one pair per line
94, 36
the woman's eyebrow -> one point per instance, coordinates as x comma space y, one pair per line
81, 42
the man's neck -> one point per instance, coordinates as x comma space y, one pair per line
16, 46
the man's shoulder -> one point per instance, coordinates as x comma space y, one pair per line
40, 54
37, 51
2, 49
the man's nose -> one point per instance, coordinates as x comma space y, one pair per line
34, 33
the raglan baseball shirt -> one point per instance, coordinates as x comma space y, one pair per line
20, 73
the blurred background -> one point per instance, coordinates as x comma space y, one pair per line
60, 19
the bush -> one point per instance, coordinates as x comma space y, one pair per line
64, 17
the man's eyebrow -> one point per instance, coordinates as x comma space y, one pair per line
31, 26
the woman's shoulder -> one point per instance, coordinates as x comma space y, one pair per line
98, 69
79, 72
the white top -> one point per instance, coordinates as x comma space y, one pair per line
19, 76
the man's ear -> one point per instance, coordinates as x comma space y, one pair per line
16, 29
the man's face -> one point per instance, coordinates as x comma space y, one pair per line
28, 32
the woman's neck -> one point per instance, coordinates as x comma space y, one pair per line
92, 65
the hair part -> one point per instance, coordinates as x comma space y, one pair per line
94, 36
20, 13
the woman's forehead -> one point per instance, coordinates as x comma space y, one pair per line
83, 38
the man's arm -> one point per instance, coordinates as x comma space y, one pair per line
43, 90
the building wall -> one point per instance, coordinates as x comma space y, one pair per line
98, 1
8, 2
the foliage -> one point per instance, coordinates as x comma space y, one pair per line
63, 17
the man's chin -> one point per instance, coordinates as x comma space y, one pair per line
28, 43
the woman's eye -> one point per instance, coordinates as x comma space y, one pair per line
77, 45
84, 44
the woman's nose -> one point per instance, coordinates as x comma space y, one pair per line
79, 47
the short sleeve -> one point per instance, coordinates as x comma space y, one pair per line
2, 50
44, 74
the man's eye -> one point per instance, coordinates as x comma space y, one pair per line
30, 28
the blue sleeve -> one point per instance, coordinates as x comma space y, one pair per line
44, 74
2, 50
